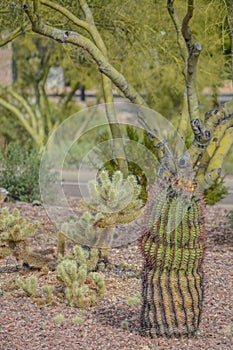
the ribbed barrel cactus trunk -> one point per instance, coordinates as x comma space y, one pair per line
172, 244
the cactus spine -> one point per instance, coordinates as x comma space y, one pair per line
172, 245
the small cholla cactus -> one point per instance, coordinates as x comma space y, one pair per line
125, 324
89, 258
14, 228
99, 281
82, 285
14, 239
84, 230
29, 285
172, 245
114, 201
117, 199
78, 320
134, 300
59, 318
48, 291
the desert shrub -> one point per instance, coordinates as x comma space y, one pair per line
20, 172
216, 192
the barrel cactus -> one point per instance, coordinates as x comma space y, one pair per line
172, 244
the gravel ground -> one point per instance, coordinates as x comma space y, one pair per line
27, 323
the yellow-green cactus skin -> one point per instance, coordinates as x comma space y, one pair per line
172, 244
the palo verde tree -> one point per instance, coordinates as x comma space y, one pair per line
131, 33
212, 140
172, 237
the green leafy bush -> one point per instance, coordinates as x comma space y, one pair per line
216, 192
20, 172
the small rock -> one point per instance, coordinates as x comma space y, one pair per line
3, 194
36, 203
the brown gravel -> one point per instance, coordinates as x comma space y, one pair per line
26, 323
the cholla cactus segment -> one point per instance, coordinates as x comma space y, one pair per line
93, 259
99, 281
89, 258
77, 295
82, 230
67, 272
74, 273
82, 274
80, 255
113, 195
14, 228
172, 245
48, 291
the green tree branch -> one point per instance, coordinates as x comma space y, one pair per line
108, 94
14, 35
65, 36
25, 123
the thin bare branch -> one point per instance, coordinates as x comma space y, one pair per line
66, 13
180, 39
13, 35
26, 106
87, 11
107, 89
79, 40
22, 119
194, 50
187, 34
193, 103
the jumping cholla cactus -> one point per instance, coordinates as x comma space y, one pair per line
113, 201
172, 244
117, 198
29, 285
14, 228
15, 231
75, 273
83, 230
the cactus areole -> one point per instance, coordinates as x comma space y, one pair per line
172, 245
